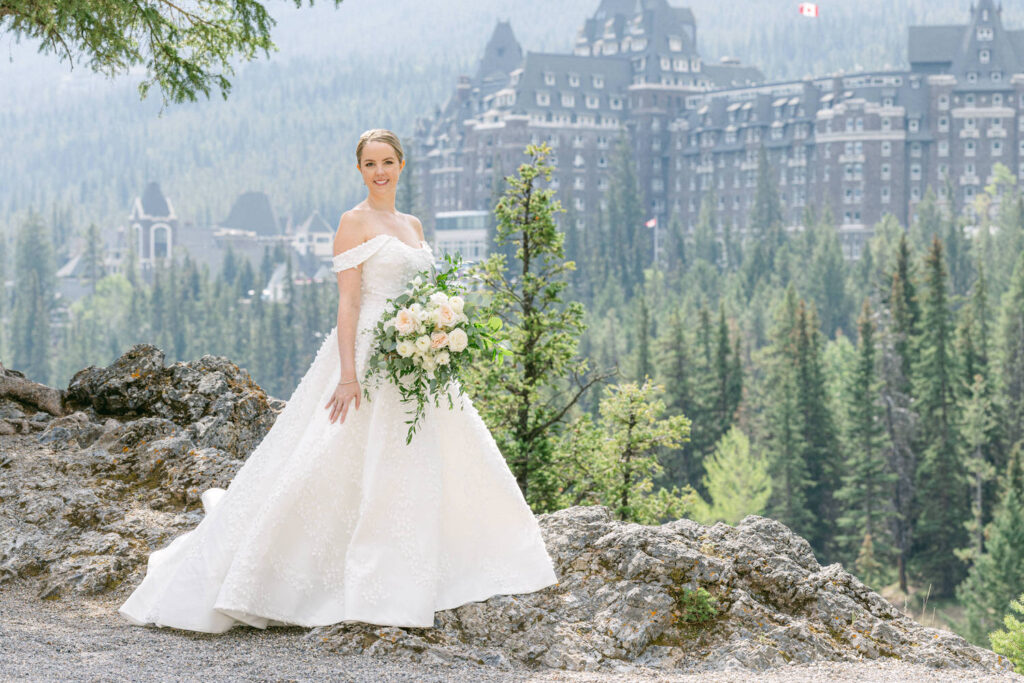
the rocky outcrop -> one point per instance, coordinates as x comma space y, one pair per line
86, 497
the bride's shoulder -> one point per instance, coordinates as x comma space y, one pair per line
415, 223
352, 230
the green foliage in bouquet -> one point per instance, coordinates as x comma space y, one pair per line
427, 337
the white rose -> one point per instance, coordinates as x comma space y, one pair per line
405, 349
416, 308
422, 343
438, 298
429, 364
457, 339
442, 358
421, 329
417, 280
446, 316
405, 322
456, 303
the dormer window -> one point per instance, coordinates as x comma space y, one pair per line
675, 43
969, 99
996, 76
598, 81
913, 125
983, 56
574, 80
972, 76
997, 100
984, 33
549, 78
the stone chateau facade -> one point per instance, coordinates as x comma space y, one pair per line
866, 144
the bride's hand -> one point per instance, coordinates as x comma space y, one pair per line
340, 400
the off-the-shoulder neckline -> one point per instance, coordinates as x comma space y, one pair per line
399, 240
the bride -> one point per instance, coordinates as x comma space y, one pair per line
333, 517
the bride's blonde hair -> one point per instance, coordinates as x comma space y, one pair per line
379, 135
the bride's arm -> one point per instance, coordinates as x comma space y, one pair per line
349, 235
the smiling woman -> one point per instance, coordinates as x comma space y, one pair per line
107, 36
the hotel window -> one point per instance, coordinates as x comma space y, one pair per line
567, 99
580, 204
941, 172
593, 102
943, 102
543, 99
969, 148
997, 148
913, 125
943, 124
578, 183
598, 80
915, 193
886, 123
969, 99
860, 123
602, 162
886, 148
984, 33
915, 171
983, 56
997, 100
943, 148
972, 76
969, 123
996, 76
885, 194
616, 103
886, 173
574, 80
549, 78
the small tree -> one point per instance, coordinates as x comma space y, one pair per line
1010, 642
615, 462
527, 400
737, 482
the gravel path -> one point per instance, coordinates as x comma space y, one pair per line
84, 639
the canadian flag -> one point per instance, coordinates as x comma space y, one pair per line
808, 9
651, 223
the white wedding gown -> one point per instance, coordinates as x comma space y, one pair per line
335, 522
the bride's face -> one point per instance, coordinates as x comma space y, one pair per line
380, 168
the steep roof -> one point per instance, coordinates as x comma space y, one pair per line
153, 201
252, 211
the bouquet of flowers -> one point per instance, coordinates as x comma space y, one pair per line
426, 336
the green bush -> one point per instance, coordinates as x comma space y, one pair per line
1010, 643
696, 607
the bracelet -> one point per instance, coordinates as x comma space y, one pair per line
348, 382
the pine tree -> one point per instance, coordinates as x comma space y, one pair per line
676, 368
997, 574
528, 412
765, 226
93, 256
786, 447
941, 486
33, 299
737, 481
644, 368
866, 517
819, 435
615, 462
1011, 363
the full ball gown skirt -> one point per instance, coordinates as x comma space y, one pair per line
335, 522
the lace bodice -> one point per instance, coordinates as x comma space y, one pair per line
388, 265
